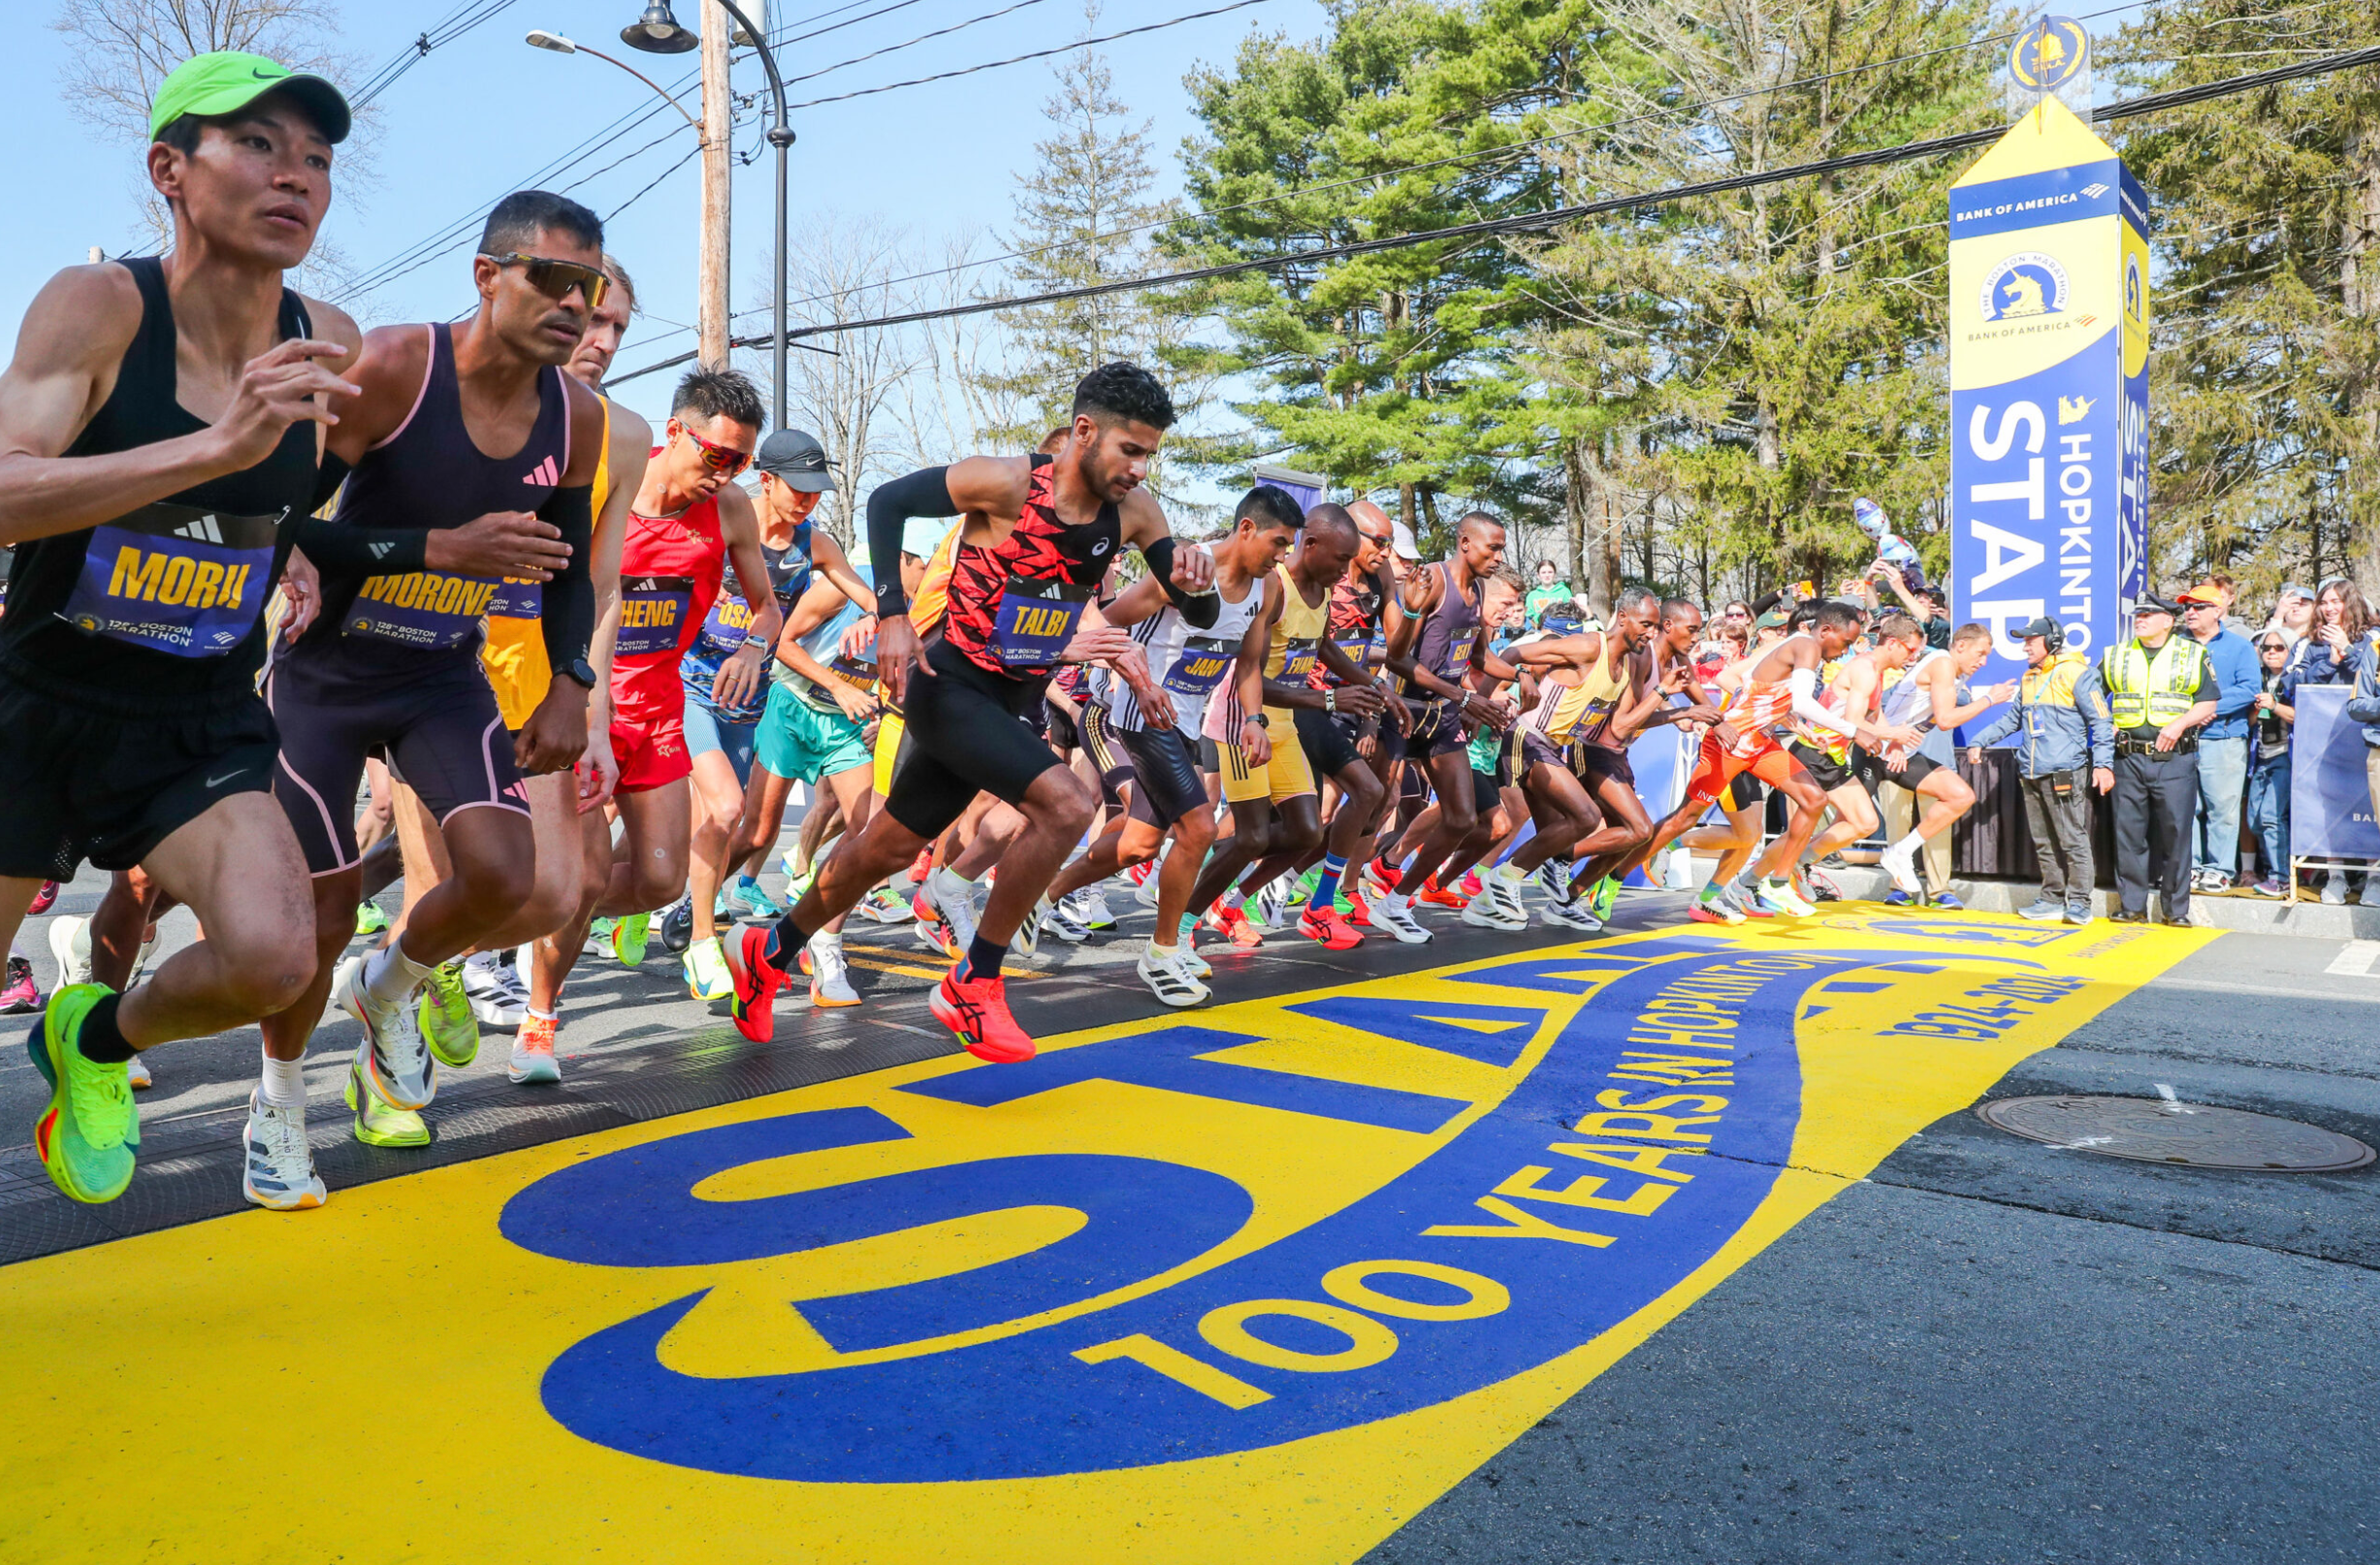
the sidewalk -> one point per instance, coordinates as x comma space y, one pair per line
2239, 910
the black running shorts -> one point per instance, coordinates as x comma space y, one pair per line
1744, 792
1870, 768
965, 733
1438, 730
1107, 757
84, 783
1064, 731
1536, 751
1165, 773
439, 731
1825, 770
1598, 762
1330, 741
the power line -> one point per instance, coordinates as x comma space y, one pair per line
1497, 227
1509, 149
1037, 54
445, 30
912, 42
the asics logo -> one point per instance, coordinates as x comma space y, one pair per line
1099, 548
545, 473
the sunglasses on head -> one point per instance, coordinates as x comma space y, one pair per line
723, 459
556, 278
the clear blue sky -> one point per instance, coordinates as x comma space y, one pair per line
477, 118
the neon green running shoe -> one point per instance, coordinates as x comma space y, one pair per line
706, 970
628, 938
369, 919
1607, 892
87, 1134
448, 1026
378, 1121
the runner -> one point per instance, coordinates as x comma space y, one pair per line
1662, 672
571, 870
1926, 700
1267, 779
1447, 673
1781, 685
687, 520
1038, 531
1827, 756
161, 429
392, 662
1166, 795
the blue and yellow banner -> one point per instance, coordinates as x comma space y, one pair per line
2048, 386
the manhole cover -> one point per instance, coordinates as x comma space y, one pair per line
2152, 1131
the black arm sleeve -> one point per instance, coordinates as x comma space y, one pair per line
567, 619
1198, 612
1767, 603
344, 550
327, 478
924, 492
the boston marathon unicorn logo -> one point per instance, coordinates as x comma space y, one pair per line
2026, 283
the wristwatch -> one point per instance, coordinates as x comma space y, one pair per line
1260, 720
579, 669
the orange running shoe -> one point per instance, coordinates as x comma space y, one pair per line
1358, 915
757, 980
976, 1009
1471, 883
1232, 922
532, 1052
1329, 930
924, 866
1438, 896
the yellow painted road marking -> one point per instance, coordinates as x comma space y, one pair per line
856, 1340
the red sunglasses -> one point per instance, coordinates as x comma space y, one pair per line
726, 461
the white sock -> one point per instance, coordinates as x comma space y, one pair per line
284, 1083
1906, 845
1511, 872
828, 940
391, 977
1162, 953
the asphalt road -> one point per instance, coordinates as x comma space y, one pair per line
1999, 1351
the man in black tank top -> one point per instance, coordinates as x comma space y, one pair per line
1456, 700
392, 662
159, 441
1039, 533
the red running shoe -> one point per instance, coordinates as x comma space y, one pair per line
976, 1009
757, 982
1358, 913
1383, 873
21, 994
1471, 883
1234, 922
1138, 873
42, 903
1438, 896
1329, 930
924, 866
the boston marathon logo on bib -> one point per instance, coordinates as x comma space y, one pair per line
175, 580
429, 609
1037, 620
653, 609
1202, 665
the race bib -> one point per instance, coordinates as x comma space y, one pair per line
729, 621
1459, 653
175, 580
1202, 665
428, 610
516, 599
1037, 620
1297, 663
653, 611
852, 669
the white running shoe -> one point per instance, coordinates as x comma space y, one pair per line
1028, 936
954, 899
1192, 963
1554, 876
497, 997
1899, 861
1066, 925
1486, 911
1170, 979
279, 1174
136, 1072
1091, 909
397, 1060
1394, 914
1272, 902
884, 905
70, 942
1571, 916
1509, 895
830, 974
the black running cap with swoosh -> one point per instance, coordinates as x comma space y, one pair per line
227, 81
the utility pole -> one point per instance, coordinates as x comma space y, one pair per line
718, 164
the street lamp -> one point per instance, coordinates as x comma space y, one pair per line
658, 32
554, 42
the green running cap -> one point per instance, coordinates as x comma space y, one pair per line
227, 81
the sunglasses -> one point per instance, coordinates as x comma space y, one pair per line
725, 461
556, 278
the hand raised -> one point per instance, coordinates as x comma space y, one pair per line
277, 389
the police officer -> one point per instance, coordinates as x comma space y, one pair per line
2160, 691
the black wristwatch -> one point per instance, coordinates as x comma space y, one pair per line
579, 669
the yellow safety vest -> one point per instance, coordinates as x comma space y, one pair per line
2150, 690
